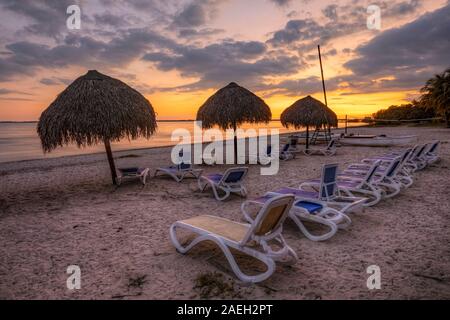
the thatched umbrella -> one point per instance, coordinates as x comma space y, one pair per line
308, 112
231, 106
96, 108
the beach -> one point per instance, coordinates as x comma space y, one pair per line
64, 211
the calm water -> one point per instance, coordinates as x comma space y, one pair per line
19, 141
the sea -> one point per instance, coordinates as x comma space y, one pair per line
19, 140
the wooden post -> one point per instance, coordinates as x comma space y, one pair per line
235, 144
111, 161
307, 138
346, 119
323, 79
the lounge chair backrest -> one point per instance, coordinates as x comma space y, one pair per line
371, 173
413, 152
185, 161
270, 218
393, 167
434, 147
331, 144
420, 151
269, 150
405, 156
286, 147
328, 181
234, 175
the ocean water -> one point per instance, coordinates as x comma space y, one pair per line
19, 141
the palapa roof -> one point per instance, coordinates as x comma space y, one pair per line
308, 112
93, 108
233, 105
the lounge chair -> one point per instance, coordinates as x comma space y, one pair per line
181, 170
329, 150
403, 174
305, 210
286, 154
385, 178
229, 182
363, 186
432, 155
255, 239
141, 173
328, 195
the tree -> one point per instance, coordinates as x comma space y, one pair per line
436, 95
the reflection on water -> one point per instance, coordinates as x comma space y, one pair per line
19, 141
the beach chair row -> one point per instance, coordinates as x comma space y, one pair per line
327, 201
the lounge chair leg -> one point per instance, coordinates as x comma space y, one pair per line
333, 227
270, 264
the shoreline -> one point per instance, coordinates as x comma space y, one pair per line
282, 135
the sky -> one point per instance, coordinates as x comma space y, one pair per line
178, 53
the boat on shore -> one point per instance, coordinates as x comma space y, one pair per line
377, 141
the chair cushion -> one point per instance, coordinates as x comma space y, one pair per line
219, 226
216, 177
309, 206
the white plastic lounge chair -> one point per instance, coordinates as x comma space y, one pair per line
364, 186
229, 182
305, 210
329, 150
403, 174
256, 239
416, 161
432, 155
181, 170
386, 179
141, 173
328, 194
286, 154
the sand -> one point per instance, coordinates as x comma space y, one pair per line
64, 211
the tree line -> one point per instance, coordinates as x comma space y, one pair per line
433, 102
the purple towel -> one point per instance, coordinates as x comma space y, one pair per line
214, 177
298, 193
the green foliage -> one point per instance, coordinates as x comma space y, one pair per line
436, 95
409, 111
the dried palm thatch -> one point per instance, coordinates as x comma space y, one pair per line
232, 106
96, 108
308, 112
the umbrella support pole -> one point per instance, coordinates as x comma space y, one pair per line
235, 144
111, 161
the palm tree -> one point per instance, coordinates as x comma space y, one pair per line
436, 94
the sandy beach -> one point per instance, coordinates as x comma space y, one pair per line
64, 211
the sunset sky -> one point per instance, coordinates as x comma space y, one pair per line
177, 53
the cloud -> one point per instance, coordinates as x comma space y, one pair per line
420, 45
47, 17
281, 3
196, 13
25, 56
219, 63
53, 81
191, 33
341, 20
